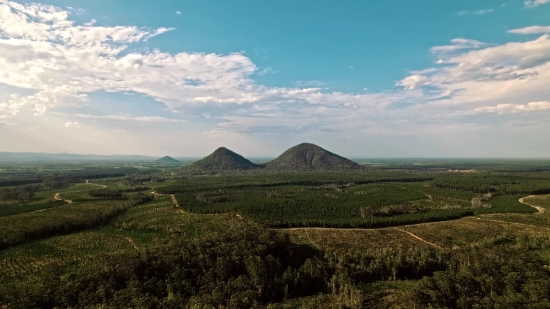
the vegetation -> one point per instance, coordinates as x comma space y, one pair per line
222, 159
265, 238
311, 157
167, 161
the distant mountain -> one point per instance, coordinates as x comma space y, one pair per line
223, 159
311, 157
67, 157
167, 161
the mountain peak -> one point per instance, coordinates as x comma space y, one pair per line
223, 159
312, 157
166, 160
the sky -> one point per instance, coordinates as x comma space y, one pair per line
399, 78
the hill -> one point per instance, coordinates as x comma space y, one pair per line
167, 161
311, 157
223, 159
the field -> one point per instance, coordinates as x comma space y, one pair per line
340, 240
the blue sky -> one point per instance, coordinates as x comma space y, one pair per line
363, 79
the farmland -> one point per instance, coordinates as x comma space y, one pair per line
352, 239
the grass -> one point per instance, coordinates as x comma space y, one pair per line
471, 230
361, 239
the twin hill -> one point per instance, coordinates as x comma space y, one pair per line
223, 159
311, 157
167, 161
301, 157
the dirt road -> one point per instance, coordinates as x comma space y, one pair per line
421, 239
540, 209
57, 198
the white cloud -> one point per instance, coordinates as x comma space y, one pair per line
52, 62
483, 12
531, 30
41, 49
71, 125
514, 108
413, 82
178, 12
122, 117
477, 12
458, 44
536, 2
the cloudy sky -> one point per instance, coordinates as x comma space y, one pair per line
400, 78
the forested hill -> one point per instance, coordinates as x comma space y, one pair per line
223, 159
311, 157
167, 161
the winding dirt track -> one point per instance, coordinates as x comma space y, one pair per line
57, 198
131, 241
173, 196
421, 239
540, 209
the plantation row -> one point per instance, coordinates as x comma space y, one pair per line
364, 206
66, 219
499, 183
284, 179
8, 210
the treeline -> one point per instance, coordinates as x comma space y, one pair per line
264, 180
22, 194
8, 210
119, 193
496, 183
390, 207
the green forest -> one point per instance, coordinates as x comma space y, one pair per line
148, 237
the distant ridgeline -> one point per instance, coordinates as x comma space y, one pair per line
301, 157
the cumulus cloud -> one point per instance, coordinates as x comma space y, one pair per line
72, 125
55, 62
43, 50
514, 108
475, 72
536, 2
178, 12
531, 30
413, 82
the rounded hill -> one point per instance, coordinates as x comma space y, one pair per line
223, 159
311, 157
167, 161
